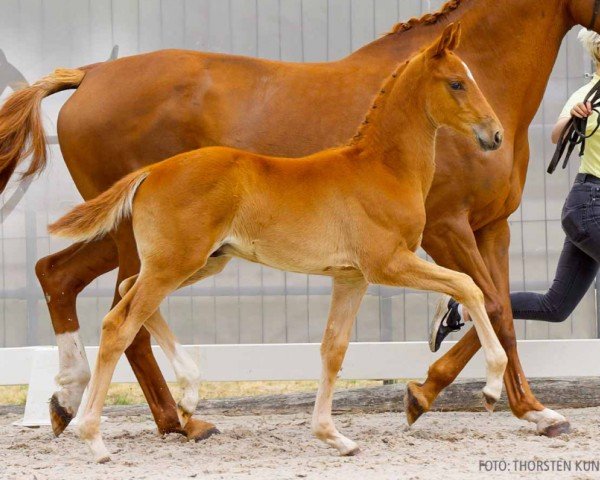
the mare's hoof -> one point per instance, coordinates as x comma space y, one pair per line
415, 404
59, 416
556, 429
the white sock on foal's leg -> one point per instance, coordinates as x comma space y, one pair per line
323, 426
345, 301
186, 370
188, 376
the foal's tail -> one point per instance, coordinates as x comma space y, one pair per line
21, 128
96, 218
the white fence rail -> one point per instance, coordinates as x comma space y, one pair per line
301, 361
37, 366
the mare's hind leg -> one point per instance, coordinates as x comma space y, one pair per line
62, 276
345, 301
184, 366
408, 270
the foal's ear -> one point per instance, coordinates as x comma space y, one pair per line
448, 40
456, 35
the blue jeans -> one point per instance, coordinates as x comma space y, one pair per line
579, 260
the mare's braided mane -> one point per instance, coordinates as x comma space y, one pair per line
428, 18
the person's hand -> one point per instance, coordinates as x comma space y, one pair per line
582, 110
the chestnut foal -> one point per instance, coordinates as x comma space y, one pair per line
355, 213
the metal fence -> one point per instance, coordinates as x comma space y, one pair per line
248, 303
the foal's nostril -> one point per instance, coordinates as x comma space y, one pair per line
498, 138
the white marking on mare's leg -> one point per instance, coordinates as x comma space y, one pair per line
74, 371
544, 418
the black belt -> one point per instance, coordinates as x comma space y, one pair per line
586, 178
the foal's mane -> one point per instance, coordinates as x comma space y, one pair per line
428, 18
380, 99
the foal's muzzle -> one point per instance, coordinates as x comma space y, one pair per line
489, 135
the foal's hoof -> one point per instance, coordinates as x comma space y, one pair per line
197, 430
415, 403
104, 459
352, 452
59, 417
556, 429
489, 402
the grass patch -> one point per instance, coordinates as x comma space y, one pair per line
13, 395
131, 393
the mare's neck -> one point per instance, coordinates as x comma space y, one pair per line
511, 46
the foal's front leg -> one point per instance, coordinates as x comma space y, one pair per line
345, 301
408, 270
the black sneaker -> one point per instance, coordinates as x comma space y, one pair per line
446, 320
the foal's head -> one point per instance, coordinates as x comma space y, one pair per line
453, 97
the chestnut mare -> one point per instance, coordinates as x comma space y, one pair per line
138, 110
359, 211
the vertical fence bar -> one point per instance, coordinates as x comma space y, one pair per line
31, 280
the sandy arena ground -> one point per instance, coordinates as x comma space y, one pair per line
440, 446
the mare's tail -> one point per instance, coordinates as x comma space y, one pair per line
21, 127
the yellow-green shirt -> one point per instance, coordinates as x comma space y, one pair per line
590, 162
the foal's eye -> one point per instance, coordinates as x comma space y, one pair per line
457, 86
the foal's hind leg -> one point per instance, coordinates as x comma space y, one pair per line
140, 356
184, 366
118, 330
345, 301
408, 270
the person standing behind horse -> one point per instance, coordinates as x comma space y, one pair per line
580, 257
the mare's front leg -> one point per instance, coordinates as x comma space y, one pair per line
408, 270
493, 242
451, 243
345, 301
62, 276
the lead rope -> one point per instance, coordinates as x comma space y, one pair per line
574, 132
